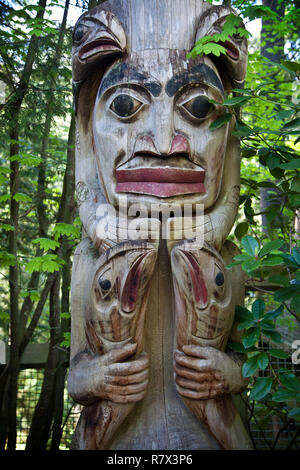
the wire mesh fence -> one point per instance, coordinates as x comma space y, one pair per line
29, 387
267, 431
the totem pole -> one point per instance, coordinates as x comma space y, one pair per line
152, 314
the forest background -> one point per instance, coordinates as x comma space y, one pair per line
40, 225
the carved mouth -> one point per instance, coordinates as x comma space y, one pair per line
231, 51
100, 45
160, 181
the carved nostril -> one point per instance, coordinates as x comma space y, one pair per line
180, 145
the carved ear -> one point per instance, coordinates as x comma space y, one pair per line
234, 63
98, 38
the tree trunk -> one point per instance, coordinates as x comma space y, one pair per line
13, 110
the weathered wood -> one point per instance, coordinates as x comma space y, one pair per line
152, 312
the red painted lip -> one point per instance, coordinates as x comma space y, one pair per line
163, 182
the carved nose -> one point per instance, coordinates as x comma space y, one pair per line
179, 144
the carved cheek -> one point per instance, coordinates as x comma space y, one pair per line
214, 154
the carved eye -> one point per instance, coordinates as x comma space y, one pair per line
105, 283
220, 279
79, 32
125, 105
199, 107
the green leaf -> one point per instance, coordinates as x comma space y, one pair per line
46, 244
7, 259
20, 197
289, 380
291, 165
284, 114
294, 413
241, 230
261, 388
282, 395
251, 265
237, 347
221, 121
279, 279
294, 124
272, 314
242, 257
295, 303
67, 340
293, 66
285, 293
274, 335
7, 227
242, 314
47, 263
67, 230
251, 337
271, 246
272, 261
235, 101
262, 360
279, 353
273, 161
266, 325
296, 254
250, 245
250, 366
258, 308
246, 325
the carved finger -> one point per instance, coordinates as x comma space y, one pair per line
128, 398
126, 389
192, 385
128, 368
128, 379
203, 395
197, 351
117, 355
191, 363
194, 375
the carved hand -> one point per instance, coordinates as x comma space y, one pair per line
205, 372
108, 377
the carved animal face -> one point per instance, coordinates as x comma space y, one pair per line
117, 296
151, 129
95, 37
234, 63
203, 295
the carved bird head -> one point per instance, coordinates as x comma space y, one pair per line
96, 38
234, 62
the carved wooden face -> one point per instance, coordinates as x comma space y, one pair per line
151, 129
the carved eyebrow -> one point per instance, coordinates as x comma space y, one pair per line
199, 74
125, 73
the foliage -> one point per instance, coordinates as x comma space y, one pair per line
268, 127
